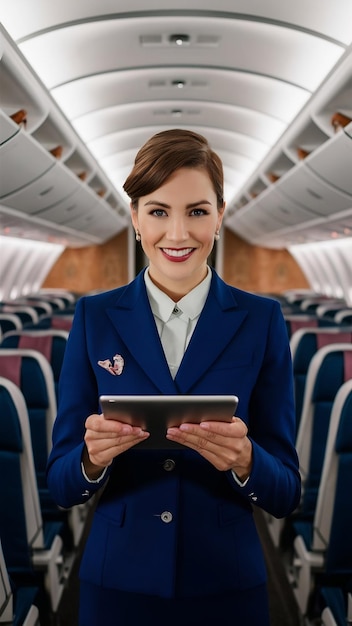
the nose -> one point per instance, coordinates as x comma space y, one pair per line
177, 228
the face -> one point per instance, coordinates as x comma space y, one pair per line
177, 224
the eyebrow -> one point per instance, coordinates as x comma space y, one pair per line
167, 206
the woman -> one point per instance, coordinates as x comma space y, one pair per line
173, 538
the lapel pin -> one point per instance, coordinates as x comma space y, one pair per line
115, 368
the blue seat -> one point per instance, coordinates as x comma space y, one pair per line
298, 321
26, 314
50, 342
33, 549
326, 373
18, 605
304, 344
322, 544
338, 609
60, 320
9, 321
343, 317
329, 369
31, 372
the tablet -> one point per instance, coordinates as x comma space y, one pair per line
158, 413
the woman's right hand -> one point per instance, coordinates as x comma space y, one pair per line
106, 439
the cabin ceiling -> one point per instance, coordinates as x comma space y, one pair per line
254, 76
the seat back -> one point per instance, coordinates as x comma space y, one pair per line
30, 371
50, 342
333, 519
26, 314
304, 344
57, 321
6, 598
343, 317
9, 321
21, 526
30, 546
329, 369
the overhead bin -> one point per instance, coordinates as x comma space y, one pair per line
333, 161
285, 211
80, 203
303, 186
8, 128
54, 185
22, 161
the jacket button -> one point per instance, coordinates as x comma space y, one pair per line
166, 517
169, 465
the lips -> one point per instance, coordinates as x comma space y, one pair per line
177, 254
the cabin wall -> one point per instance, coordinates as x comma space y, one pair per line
246, 266
257, 269
91, 268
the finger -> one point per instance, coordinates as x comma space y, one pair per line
237, 428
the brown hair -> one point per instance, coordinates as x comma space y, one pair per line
166, 152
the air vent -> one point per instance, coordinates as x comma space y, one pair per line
176, 112
199, 83
157, 83
151, 40
211, 41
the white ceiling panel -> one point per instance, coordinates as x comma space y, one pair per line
250, 74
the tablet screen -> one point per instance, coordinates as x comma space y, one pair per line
158, 413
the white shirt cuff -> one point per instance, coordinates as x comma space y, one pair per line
238, 481
97, 480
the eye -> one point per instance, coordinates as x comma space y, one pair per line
158, 212
199, 212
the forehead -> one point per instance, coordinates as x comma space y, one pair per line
186, 183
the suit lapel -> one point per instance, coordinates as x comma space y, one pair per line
217, 325
133, 319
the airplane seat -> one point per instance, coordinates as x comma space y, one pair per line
295, 322
329, 310
26, 314
344, 316
60, 320
49, 342
18, 606
322, 554
8, 322
68, 297
33, 548
31, 372
330, 367
40, 306
338, 606
304, 344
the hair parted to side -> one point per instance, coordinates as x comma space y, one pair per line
166, 152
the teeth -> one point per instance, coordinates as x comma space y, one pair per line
173, 252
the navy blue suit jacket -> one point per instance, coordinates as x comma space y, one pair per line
240, 346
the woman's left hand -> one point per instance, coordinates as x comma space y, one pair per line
225, 445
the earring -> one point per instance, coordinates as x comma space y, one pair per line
138, 236
217, 235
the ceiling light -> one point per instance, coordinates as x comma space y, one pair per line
179, 40
178, 83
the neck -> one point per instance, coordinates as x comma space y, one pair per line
172, 290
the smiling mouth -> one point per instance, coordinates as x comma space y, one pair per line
177, 253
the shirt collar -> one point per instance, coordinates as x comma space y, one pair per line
191, 304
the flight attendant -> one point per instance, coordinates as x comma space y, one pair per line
173, 540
